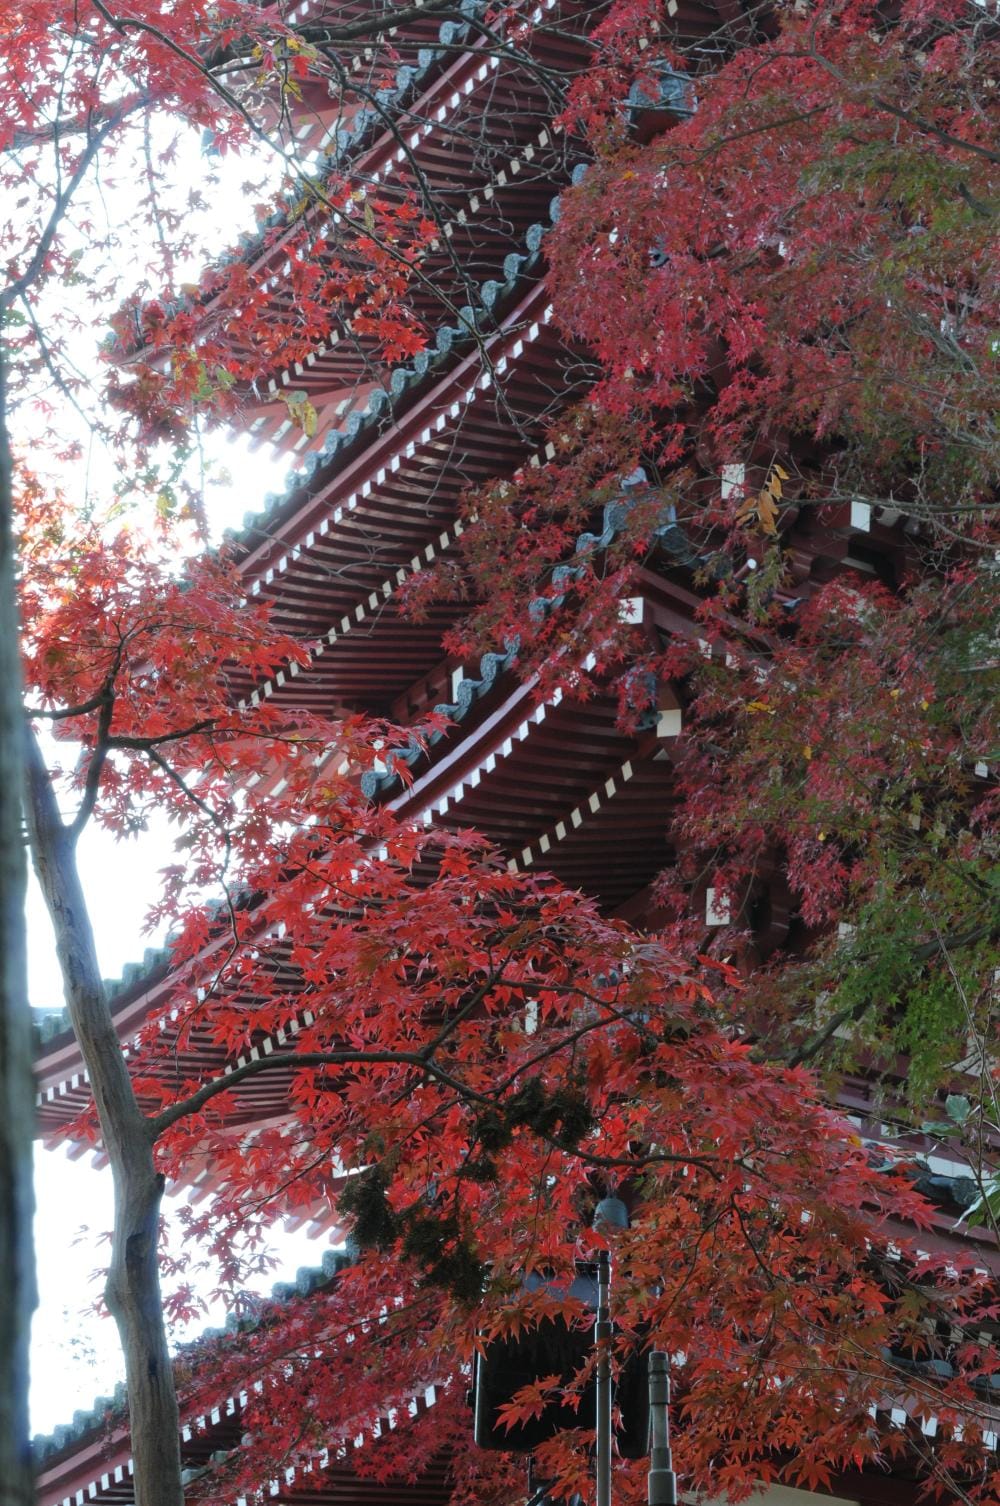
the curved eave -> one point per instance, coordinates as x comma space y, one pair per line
339, 375
384, 490
375, 656
350, 135
317, 117
102, 1472
58, 1065
436, 106
90, 1460
61, 1080
556, 786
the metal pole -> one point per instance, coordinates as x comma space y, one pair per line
662, 1480
602, 1342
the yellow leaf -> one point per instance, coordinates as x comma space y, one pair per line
767, 513
780, 471
807, 752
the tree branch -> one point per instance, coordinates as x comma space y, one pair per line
147, 744
15, 289
918, 121
66, 712
98, 757
293, 1060
855, 1012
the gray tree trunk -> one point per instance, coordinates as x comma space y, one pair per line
17, 1097
133, 1286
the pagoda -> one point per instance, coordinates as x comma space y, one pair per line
374, 499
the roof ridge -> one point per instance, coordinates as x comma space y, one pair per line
52, 1020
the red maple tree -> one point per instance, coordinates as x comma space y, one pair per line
782, 256
478, 1056
788, 295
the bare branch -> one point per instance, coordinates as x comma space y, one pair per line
15, 289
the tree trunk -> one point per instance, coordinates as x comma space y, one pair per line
133, 1286
17, 1096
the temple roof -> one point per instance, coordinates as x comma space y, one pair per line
107, 1409
476, 323
51, 1023
89, 1459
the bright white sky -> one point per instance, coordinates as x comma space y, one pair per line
75, 1357
75, 1353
